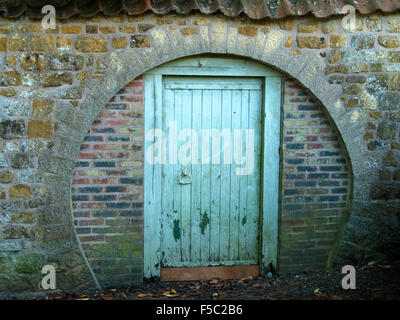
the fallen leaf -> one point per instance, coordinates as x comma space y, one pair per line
371, 263
316, 290
256, 285
384, 266
170, 294
106, 298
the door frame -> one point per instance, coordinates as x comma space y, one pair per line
270, 153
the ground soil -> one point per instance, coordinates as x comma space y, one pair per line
376, 281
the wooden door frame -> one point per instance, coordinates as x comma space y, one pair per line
270, 153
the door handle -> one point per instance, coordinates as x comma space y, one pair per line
185, 178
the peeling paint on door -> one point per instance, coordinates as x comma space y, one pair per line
177, 230
204, 222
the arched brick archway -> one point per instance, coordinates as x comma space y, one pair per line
125, 65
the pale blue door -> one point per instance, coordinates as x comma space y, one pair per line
221, 211
210, 182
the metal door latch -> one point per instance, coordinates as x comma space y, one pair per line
185, 178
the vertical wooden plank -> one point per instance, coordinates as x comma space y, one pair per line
152, 254
215, 190
186, 119
243, 184
234, 239
225, 204
157, 167
175, 222
253, 197
270, 177
168, 179
196, 178
205, 180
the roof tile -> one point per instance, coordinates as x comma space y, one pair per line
254, 9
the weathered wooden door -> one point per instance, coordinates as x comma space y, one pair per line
212, 135
210, 183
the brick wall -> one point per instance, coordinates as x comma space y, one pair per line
108, 185
107, 190
314, 182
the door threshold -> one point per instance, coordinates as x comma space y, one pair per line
208, 273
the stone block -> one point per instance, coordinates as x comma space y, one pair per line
91, 44
40, 129
20, 191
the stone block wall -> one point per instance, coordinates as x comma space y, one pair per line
54, 83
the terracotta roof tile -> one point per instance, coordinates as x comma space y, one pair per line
254, 9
